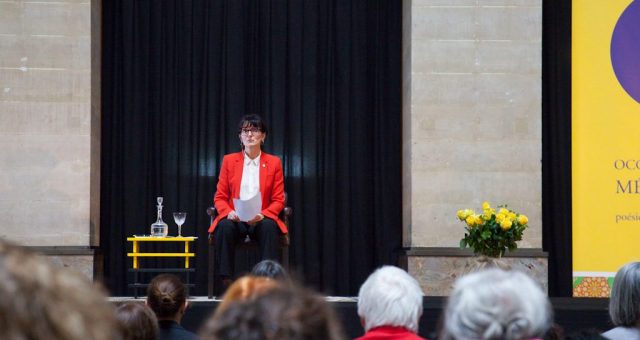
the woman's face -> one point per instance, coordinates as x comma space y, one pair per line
251, 136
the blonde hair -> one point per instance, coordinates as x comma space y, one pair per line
245, 288
41, 301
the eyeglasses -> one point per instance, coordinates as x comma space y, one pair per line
252, 130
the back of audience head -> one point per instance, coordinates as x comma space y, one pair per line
245, 288
270, 269
41, 301
137, 321
496, 304
624, 304
283, 312
390, 297
167, 296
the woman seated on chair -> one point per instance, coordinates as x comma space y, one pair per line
243, 175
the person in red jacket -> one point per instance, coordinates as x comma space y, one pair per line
243, 175
390, 305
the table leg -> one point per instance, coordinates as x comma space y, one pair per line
135, 254
186, 251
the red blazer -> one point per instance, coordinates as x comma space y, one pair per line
271, 187
390, 333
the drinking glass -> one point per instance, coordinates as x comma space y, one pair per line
179, 217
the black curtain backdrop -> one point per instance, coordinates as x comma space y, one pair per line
556, 144
325, 75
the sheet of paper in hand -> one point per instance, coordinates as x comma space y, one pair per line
248, 209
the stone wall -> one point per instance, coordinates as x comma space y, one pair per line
45, 123
472, 115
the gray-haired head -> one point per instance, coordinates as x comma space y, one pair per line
390, 297
624, 304
496, 304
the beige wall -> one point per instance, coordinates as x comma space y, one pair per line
45, 122
471, 112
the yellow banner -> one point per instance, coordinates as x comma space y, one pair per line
605, 141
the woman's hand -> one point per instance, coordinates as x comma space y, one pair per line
256, 219
233, 216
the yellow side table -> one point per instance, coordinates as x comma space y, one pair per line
135, 254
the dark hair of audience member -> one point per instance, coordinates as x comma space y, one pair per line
138, 321
166, 295
284, 312
39, 300
270, 269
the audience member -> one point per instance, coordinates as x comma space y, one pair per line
624, 303
41, 301
283, 313
245, 288
496, 304
137, 321
390, 305
270, 269
167, 297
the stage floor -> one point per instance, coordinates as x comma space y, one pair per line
571, 313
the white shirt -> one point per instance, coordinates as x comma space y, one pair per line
622, 333
250, 183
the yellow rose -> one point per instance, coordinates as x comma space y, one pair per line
512, 216
479, 220
486, 205
505, 224
487, 214
522, 220
463, 214
471, 221
503, 211
500, 217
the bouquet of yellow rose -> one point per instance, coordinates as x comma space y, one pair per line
492, 233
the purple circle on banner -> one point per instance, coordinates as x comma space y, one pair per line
625, 50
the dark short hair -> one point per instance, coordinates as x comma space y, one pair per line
166, 294
137, 321
270, 269
624, 304
252, 120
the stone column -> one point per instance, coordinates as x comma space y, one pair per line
472, 127
46, 127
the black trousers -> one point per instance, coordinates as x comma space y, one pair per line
228, 233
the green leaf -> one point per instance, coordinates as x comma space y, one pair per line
463, 243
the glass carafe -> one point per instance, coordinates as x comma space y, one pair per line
159, 228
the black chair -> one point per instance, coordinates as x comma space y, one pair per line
285, 215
